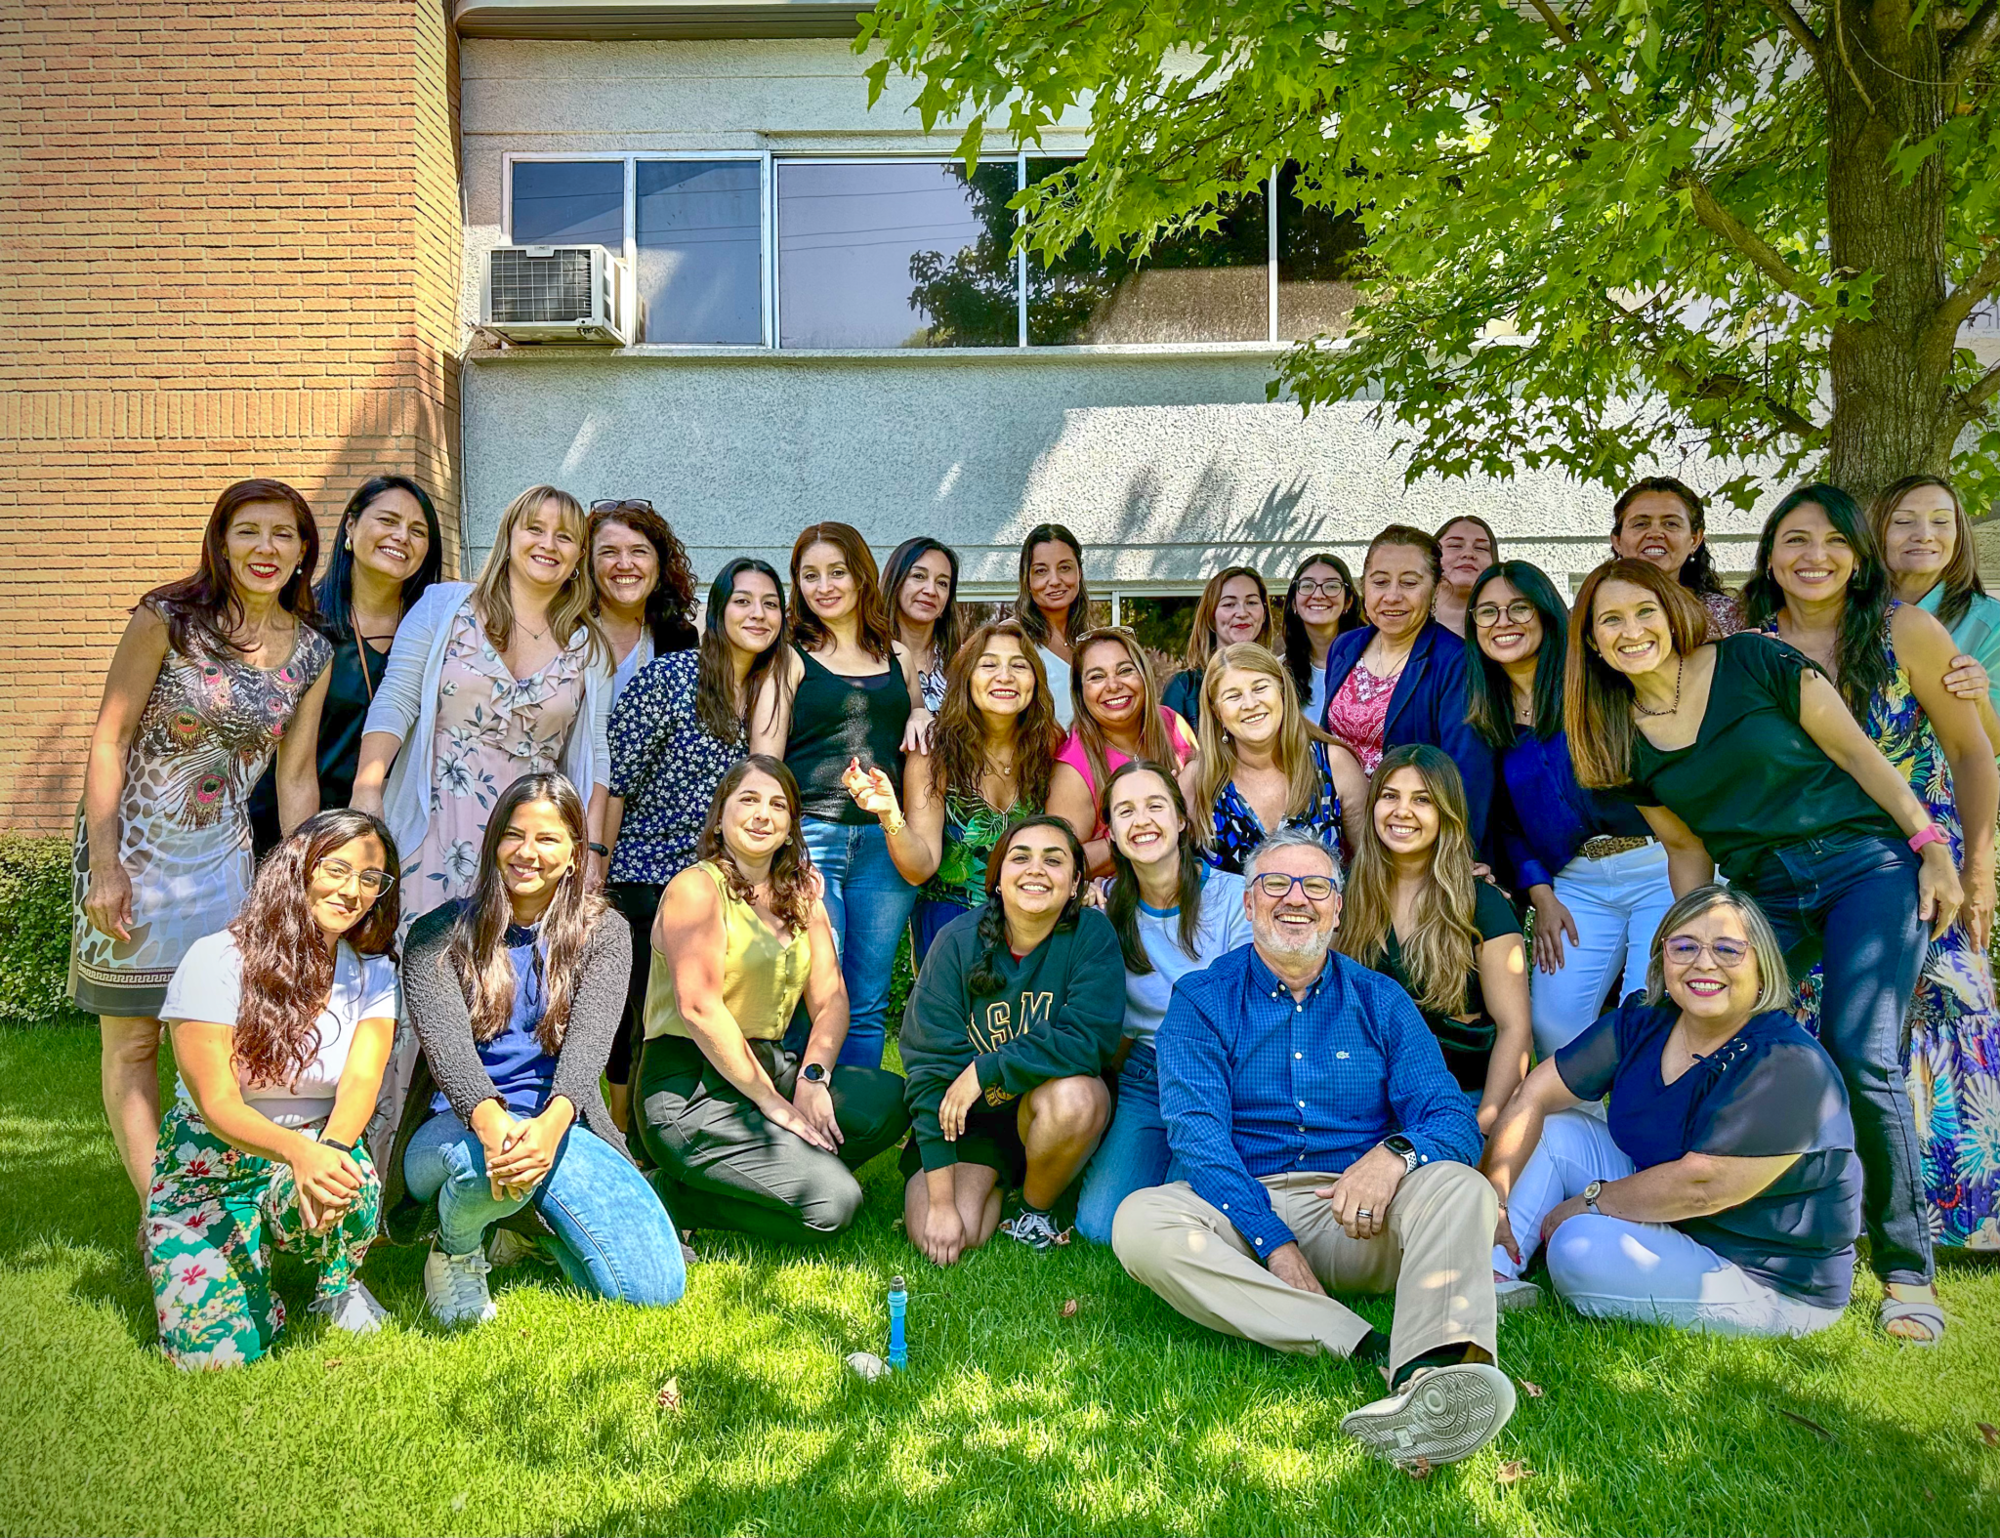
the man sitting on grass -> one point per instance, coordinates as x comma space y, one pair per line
1323, 1144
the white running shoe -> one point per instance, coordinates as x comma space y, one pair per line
455, 1288
504, 1247
1445, 1414
355, 1310
1512, 1294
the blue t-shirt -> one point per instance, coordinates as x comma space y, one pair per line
521, 1071
1769, 1090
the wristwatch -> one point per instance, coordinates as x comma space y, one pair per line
1590, 1194
815, 1073
334, 1142
1403, 1149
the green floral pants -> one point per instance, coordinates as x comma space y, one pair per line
211, 1222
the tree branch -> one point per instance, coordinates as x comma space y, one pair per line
1965, 299
1761, 252
1733, 388
1795, 24
1554, 22
1970, 45
1978, 393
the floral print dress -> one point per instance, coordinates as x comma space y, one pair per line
210, 728
492, 728
1951, 1059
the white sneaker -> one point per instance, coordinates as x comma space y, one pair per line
455, 1288
355, 1310
504, 1247
1509, 1295
1445, 1414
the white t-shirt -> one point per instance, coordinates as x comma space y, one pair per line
1222, 927
1059, 696
640, 654
208, 986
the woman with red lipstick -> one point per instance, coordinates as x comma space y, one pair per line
921, 581
1661, 521
215, 674
645, 587
1234, 607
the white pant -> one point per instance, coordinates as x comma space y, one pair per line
1613, 1268
1617, 903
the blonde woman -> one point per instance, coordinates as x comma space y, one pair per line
489, 681
1415, 912
1234, 607
1261, 766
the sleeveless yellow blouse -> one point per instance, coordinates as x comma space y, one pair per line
762, 976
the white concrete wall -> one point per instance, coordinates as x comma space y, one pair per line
1166, 463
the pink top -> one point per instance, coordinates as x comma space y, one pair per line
1358, 713
1074, 754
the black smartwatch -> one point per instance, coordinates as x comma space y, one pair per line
599, 849
815, 1073
1403, 1149
334, 1142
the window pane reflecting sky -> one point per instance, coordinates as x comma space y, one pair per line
700, 254
569, 203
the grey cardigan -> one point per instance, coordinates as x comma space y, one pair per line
437, 1009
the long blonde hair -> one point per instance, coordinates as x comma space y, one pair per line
1296, 736
1443, 947
571, 609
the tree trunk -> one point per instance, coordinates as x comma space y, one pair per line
1890, 376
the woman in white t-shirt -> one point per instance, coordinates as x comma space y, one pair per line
282, 1025
1174, 913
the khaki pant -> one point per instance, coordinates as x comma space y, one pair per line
1436, 1254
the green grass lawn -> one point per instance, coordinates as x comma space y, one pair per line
1018, 1415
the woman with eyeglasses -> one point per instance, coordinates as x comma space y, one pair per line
645, 587
1722, 1193
1466, 547
1586, 861
1415, 912
921, 581
1118, 718
282, 1025
1174, 913
1321, 605
1235, 608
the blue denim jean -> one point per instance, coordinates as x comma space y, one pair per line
927, 921
1133, 1154
1851, 903
868, 903
612, 1236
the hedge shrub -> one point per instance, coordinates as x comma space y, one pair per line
34, 931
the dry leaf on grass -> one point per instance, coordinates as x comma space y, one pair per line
1069, 1308
1532, 1390
334, 1361
1417, 1468
669, 1397
1512, 1472
1990, 1433
1813, 1426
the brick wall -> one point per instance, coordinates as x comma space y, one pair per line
231, 249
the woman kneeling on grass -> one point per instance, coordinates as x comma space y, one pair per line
282, 1025
1015, 1014
1723, 1193
516, 992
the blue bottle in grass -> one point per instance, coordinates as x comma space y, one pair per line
899, 1302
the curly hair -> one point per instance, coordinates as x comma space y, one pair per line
984, 978
791, 867
958, 741
670, 606
201, 608
1697, 573
287, 964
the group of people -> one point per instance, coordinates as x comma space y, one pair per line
1381, 947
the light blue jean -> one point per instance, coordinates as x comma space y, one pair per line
868, 903
612, 1236
1133, 1154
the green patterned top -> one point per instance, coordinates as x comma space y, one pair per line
972, 830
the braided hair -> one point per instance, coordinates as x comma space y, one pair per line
984, 977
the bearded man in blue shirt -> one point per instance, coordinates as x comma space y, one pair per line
1319, 1142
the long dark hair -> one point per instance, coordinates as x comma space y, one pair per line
984, 977
1864, 662
287, 966
874, 631
958, 740
478, 950
791, 867
670, 606
1960, 577
1077, 620
944, 630
201, 609
1298, 658
1122, 905
1697, 573
715, 683
336, 589
1597, 698
1489, 694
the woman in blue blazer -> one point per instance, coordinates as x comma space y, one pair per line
1401, 677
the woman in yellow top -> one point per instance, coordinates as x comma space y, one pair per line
745, 1133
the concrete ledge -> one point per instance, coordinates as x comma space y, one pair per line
798, 356
619, 20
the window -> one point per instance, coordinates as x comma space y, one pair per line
569, 203
698, 231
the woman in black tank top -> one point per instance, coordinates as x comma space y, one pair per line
848, 693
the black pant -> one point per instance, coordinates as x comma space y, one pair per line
722, 1165
638, 901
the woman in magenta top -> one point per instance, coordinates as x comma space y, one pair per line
1118, 717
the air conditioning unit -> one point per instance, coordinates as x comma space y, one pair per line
578, 295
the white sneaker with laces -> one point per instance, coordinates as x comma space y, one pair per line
1442, 1415
455, 1288
355, 1310
1037, 1230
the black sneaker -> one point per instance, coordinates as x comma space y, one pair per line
1037, 1230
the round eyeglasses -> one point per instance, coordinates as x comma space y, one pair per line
339, 872
1487, 615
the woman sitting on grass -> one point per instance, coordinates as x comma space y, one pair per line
282, 1025
1723, 1193
1014, 1016
516, 992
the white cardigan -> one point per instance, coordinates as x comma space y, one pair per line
405, 706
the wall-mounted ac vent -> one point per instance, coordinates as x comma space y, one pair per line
561, 294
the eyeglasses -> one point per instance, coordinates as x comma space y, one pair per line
1487, 615
1278, 886
1685, 951
338, 871
1329, 587
622, 505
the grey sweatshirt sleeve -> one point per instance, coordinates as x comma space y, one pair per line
596, 1010
436, 1002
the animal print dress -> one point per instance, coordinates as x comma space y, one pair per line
204, 739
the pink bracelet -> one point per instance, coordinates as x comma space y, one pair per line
1930, 834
